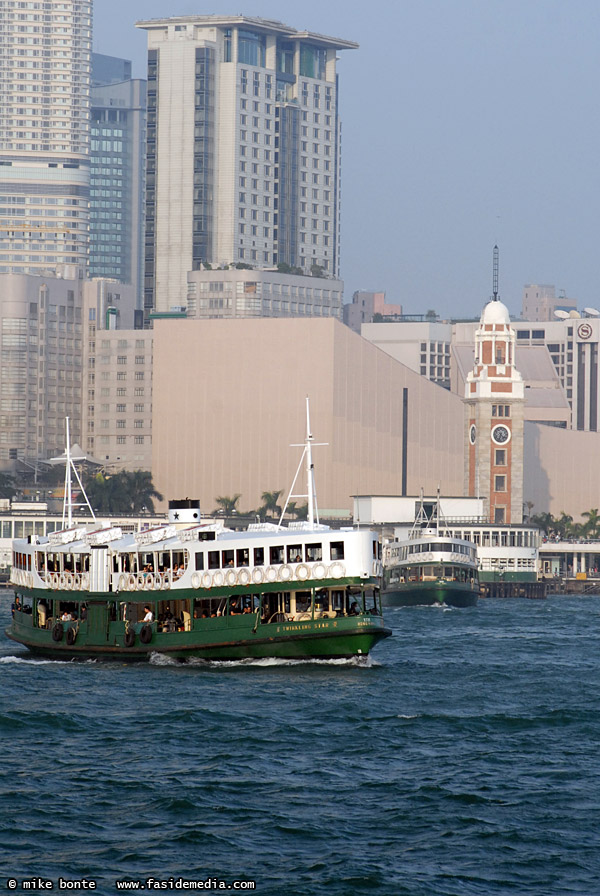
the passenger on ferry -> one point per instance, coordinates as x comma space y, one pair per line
16, 604
354, 611
234, 609
148, 615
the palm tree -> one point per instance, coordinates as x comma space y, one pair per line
564, 525
270, 506
122, 492
227, 505
544, 521
593, 522
139, 491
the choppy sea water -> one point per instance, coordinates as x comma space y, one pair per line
460, 759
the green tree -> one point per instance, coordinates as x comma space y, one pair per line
7, 485
227, 505
124, 492
592, 524
544, 521
270, 506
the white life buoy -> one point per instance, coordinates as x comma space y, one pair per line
231, 577
131, 582
271, 574
157, 581
195, 580
54, 581
206, 580
319, 571
61, 580
122, 582
285, 573
69, 581
257, 576
167, 579
141, 579
217, 579
149, 583
77, 581
336, 570
243, 577
302, 572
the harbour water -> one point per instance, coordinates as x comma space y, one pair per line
460, 759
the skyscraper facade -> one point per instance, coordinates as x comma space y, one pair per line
118, 134
243, 150
45, 48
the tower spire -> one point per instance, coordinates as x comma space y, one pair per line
495, 276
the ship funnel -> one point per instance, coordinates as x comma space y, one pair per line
186, 511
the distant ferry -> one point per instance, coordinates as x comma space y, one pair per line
431, 567
191, 589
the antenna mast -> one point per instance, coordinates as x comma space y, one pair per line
495, 276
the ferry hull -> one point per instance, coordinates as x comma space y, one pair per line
223, 640
429, 594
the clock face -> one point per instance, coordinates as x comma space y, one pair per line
500, 434
472, 434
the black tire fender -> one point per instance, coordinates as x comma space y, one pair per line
71, 636
57, 632
146, 634
129, 637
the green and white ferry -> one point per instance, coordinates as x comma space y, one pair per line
197, 589
431, 567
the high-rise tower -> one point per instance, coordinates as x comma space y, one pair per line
243, 149
494, 411
45, 48
117, 171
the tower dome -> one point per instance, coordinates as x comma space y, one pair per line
495, 312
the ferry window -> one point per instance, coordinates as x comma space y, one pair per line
314, 552
337, 550
214, 560
200, 560
259, 556
276, 554
242, 557
228, 558
294, 553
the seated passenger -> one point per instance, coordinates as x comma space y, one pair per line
234, 609
354, 611
148, 614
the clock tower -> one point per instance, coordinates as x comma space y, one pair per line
494, 413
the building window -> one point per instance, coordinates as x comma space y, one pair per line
499, 483
500, 457
499, 515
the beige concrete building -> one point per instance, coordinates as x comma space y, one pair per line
561, 470
229, 400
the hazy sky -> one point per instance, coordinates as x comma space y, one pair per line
465, 123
